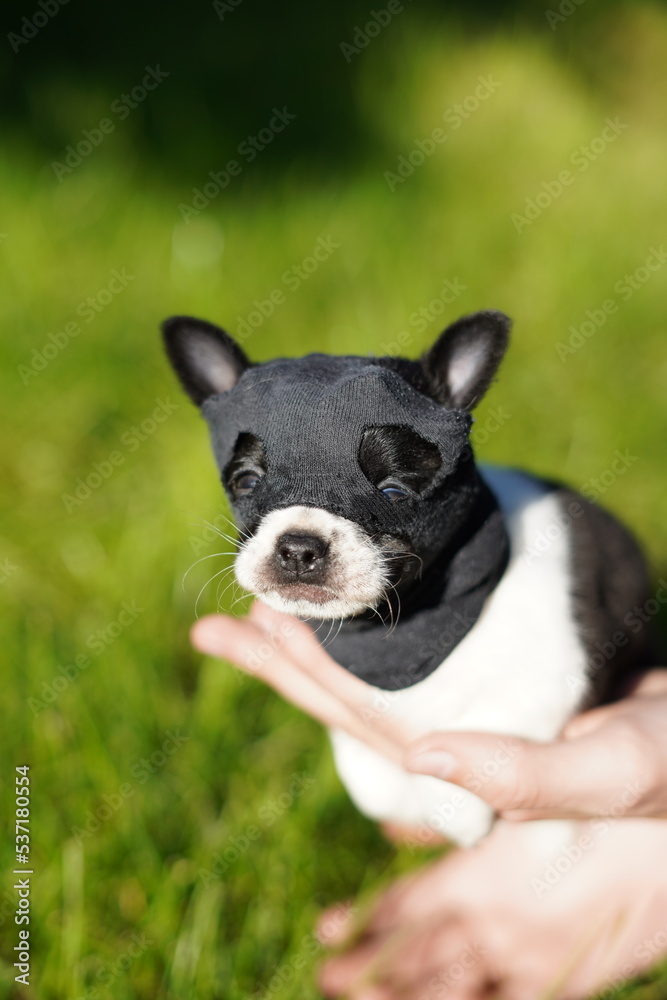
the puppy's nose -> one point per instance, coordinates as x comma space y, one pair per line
301, 556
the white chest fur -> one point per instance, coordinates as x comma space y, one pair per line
519, 671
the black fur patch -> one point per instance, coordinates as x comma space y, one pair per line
609, 579
398, 454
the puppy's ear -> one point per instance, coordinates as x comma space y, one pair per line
464, 359
204, 357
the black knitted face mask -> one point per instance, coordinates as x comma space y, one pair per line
311, 418
352, 479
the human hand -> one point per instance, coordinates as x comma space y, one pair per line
471, 925
284, 653
608, 759
615, 754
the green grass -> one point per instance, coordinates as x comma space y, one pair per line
70, 567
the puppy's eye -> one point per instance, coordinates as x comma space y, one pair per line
394, 493
246, 483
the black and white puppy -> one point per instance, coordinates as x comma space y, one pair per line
482, 599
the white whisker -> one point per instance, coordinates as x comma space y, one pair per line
214, 577
213, 555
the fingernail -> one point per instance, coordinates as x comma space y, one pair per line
437, 763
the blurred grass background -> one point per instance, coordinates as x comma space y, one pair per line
126, 824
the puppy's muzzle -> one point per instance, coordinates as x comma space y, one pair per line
301, 557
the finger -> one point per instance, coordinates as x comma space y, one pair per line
652, 682
423, 953
241, 642
579, 777
372, 706
401, 833
346, 924
339, 975
592, 720
530, 815
335, 924
374, 993
417, 897
308, 653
